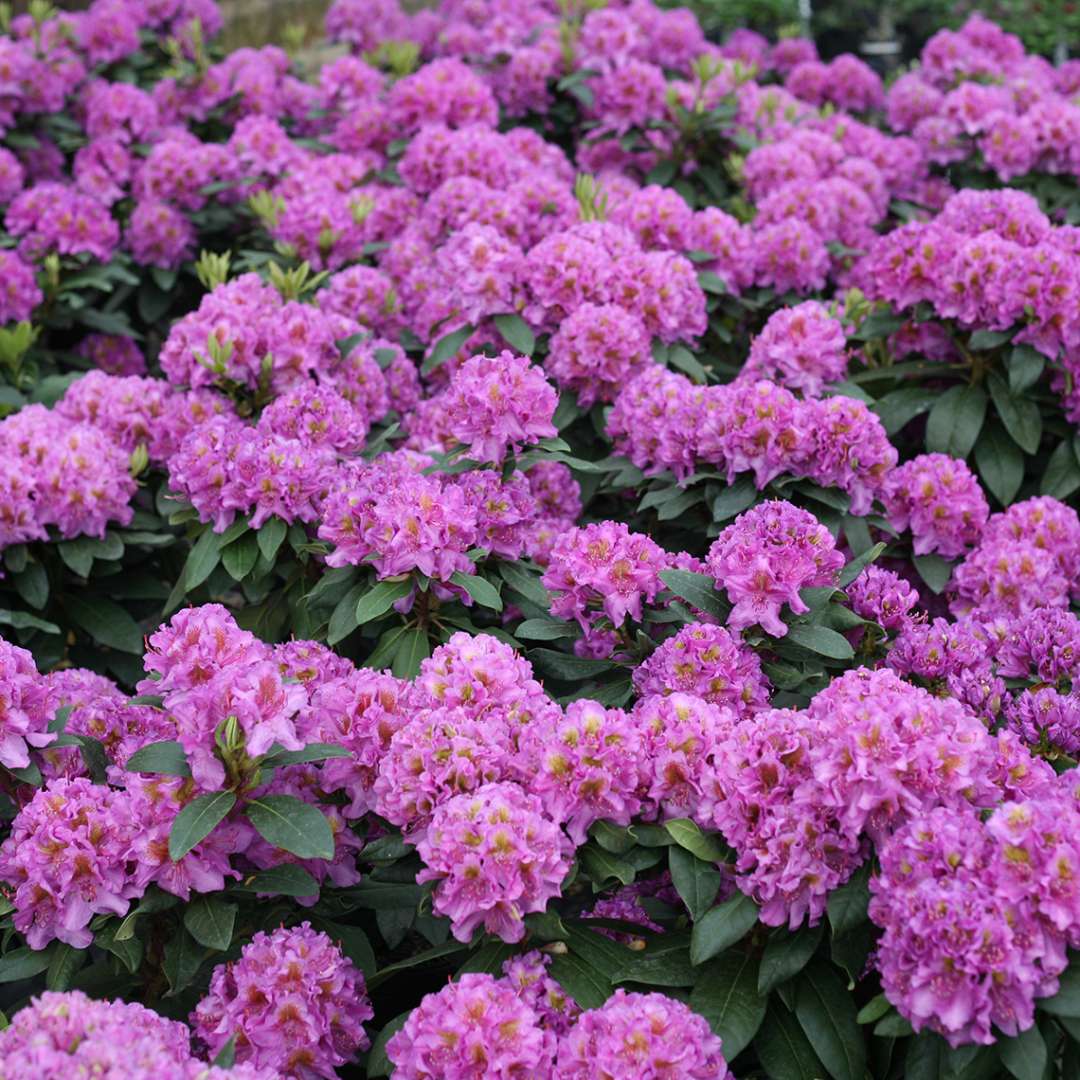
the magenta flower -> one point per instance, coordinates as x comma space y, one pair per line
495, 856
766, 557
650, 1036
295, 1004
477, 1026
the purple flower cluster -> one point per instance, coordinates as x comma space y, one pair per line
1025, 559
60, 472
480, 1025
65, 1034
766, 557
799, 795
394, 515
296, 1005
801, 347
938, 499
977, 915
661, 420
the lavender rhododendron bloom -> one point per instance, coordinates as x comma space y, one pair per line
512, 523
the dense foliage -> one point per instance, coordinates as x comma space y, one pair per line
545, 549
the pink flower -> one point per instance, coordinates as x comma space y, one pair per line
294, 1002
766, 557
476, 1027
646, 1036
499, 404
495, 857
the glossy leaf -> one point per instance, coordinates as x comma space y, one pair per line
197, 820
722, 927
726, 994
293, 825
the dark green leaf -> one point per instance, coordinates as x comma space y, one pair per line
312, 752
857, 534
568, 667
1000, 463
380, 598
847, 904
544, 630
525, 583
786, 954
783, 1049
930, 1058
665, 961
129, 951
727, 996
697, 882
721, 927
354, 943
488, 959
285, 880
343, 618
183, 956
240, 556
900, 407
587, 986
77, 555
386, 648
517, 333
687, 834
480, 589
24, 963
696, 589
982, 340
421, 959
612, 838
293, 825
851, 951
384, 895
23, 620
1025, 368
878, 324
893, 1026
873, 1010
675, 508
270, 537
603, 867
734, 499
446, 347
711, 282
386, 849
955, 420
210, 920
203, 559
167, 758
826, 1012
32, 584
106, 622
934, 570
682, 358
821, 640
858, 564
66, 961
197, 820
1020, 415
1062, 476
94, 757
413, 648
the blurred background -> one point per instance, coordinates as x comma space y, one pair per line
1046, 26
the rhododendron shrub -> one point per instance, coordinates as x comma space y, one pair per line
543, 546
